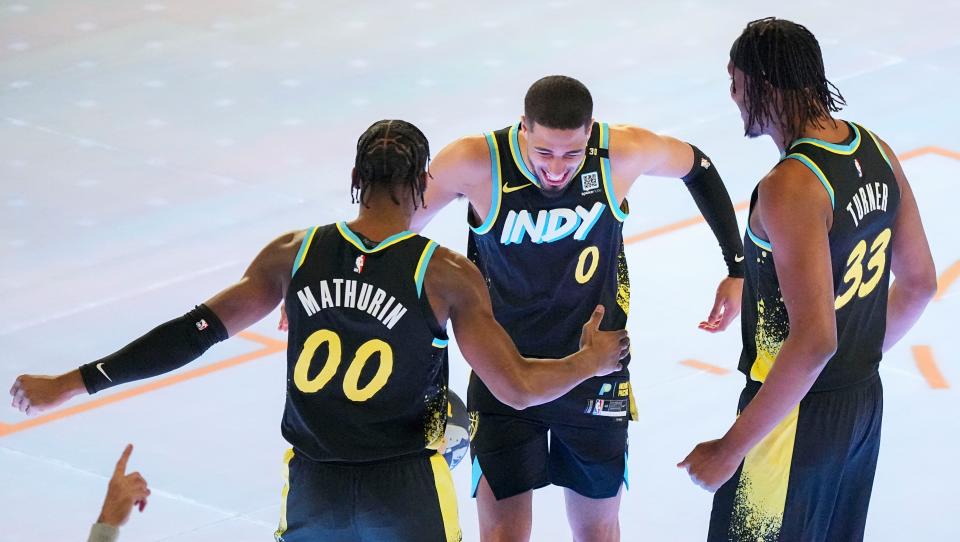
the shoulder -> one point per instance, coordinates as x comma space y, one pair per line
452, 274
792, 183
463, 162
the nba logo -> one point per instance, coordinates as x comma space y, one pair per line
358, 266
590, 181
859, 169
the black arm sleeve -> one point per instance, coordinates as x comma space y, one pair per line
167, 347
708, 191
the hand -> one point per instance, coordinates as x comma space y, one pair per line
610, 346
123, 493
283, 325
726, 305
711, 464
33, 394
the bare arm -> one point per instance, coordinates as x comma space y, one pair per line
796, 215
915, 277
457, 289
237, 307
462, 168
635, 152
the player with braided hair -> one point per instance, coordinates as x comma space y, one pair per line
368, 303
826, 228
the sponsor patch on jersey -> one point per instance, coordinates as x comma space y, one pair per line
608, 408
201, 325
590, 182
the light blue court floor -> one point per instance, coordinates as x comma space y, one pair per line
149, 149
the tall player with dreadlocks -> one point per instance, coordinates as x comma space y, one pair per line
368, 302
826, 228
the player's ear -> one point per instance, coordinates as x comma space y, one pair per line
523, 124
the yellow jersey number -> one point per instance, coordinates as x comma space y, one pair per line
351, 381
855, 271
586, 270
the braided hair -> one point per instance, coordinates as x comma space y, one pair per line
783, 58
391, 154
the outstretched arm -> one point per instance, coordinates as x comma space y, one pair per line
177, 342
635, 152
457, 289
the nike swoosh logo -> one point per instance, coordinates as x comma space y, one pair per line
507, 188
738, 259
100, 368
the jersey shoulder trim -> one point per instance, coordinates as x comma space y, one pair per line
304, 247
496, 189
618, 213
421, 271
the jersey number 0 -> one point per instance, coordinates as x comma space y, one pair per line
351, 381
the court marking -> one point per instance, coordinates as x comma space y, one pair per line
923, 357
268, 346
925, 361
705, 367
947, 278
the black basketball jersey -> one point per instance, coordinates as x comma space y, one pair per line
865, 196
366, 360
549, 261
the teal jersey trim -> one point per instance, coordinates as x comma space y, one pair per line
833, 147
422, 267
494, 183
302, 253
765, 245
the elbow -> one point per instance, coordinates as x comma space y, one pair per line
819, 346
518, 397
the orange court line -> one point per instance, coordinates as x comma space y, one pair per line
946, 280
929, 150
706, 367
923, 356
269, 346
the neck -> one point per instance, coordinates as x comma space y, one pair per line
382, 218
830, 130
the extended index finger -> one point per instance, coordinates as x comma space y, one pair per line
122, 462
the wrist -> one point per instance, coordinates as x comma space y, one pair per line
71, 384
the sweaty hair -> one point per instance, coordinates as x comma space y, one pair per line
392, 155
558, 102
780, 57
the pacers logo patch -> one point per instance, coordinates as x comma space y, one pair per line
590, 182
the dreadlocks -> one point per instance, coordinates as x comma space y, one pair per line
783, 58
391, 154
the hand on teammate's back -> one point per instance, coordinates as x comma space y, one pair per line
610, 346
123, 493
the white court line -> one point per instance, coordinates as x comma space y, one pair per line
9, 330
154, 491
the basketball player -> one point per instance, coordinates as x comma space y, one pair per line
547, 205
826, 227
366, 405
